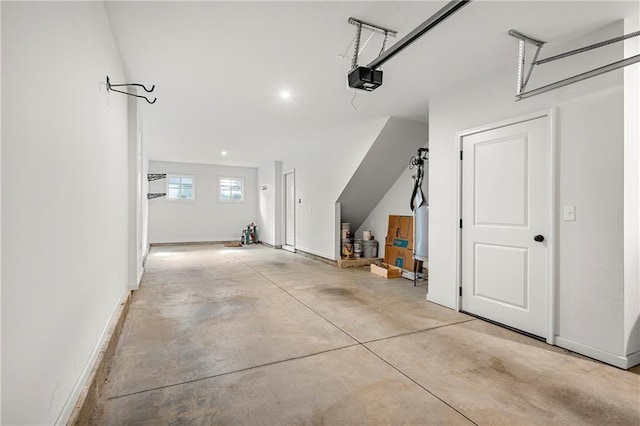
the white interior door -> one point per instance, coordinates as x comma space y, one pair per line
505, 212
289, 211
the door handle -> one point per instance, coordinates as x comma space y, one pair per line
538, 238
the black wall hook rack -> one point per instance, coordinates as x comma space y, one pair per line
111, 87
156, 176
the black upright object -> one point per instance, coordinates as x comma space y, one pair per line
417, 198
111, 87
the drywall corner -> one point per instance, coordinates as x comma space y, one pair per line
337, 230
277, 187
631, 192
269, 198
0, 208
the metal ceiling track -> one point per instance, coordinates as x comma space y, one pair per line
437, 18
523, 80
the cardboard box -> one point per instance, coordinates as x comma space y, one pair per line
400, 232
386, 271
400, 257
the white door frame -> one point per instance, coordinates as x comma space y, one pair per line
550, 114
284, 209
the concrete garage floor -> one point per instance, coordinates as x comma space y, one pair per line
259, 336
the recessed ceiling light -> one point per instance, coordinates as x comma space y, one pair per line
224, 153
285, 95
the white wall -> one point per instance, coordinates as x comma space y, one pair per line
395, 202
64, 202
590, 154
632, 193
590, 249
270, 203
321, 174
206, 218
0, 214
145, 204
135, 192
387, 157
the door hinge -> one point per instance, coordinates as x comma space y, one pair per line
460, 223
460, 155
460, 291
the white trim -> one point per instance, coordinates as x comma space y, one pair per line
633, 359
136, 285
72, 399
315, 252
550, 114
623, 362
552, 306
288, 247
458, 218
442, 301
337, 231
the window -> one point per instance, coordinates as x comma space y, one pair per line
231, 189
180, 187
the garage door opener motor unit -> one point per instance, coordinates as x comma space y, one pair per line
369, 77
366, 78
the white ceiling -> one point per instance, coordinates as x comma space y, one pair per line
218, 67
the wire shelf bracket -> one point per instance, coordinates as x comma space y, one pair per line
152, 195
155, 176
522, 80
110, 87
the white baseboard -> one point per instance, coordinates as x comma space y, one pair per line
145, 254
619, 361
633, 359
441, 301
70, 403
136, 285
317, 253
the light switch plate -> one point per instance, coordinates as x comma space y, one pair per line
569, 213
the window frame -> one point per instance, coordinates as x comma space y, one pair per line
242, 189
193, 187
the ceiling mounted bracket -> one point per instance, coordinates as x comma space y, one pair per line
522, 44
522, 80
374, 29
